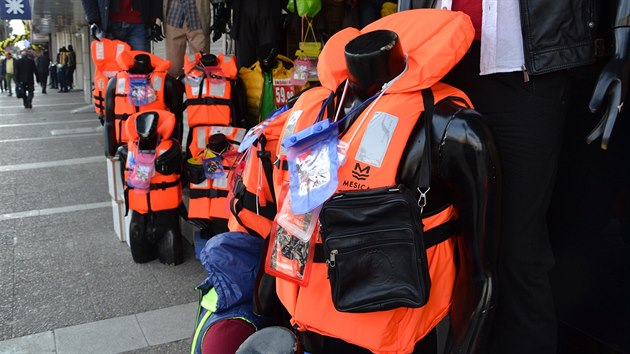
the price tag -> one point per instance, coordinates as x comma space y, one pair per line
283, 90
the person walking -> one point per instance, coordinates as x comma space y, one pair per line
43, 65
53, 74
24, 75
62, 65
8, 68
71, 66
2, 69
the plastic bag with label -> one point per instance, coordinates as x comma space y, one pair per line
141, 92
142, 170
313, 163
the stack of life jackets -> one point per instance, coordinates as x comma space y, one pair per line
104, 54
213, 139
124, 105
163, 190
434, 41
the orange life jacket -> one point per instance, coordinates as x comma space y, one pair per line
208, 199
165, 190
253, 207
122, 107
104, 54
434, 41
208, 107
208, 102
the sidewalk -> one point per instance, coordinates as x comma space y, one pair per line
67, 285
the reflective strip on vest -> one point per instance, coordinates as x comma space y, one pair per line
100, 51
121, 85
209, 303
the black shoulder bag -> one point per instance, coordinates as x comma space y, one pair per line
374, 244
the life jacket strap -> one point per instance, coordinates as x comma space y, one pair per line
161, 185
123, 116
206, 101
248, 200
432, 237
99, 101
207, 193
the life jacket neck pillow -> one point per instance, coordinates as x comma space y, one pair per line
434, 41
165, 127
125, 60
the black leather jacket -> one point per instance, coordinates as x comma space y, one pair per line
562, 34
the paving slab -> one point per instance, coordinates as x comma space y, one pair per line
125, 290
181, 346
36, 343
169, 324
6, 320
114, 335
68, 268
49, 301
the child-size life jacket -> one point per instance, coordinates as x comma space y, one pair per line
165, 190
209, 108
123, 108
434, 41
208, 195
104, 54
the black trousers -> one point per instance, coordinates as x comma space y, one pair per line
257, 30
527, 121
27, 100
43, 82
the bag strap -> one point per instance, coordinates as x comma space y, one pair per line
424, 175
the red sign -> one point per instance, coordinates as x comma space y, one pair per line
283, 89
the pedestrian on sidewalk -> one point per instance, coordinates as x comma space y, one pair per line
53, 74
2, 75
8, 68
62, 65
43, 64
71, 66
25, 75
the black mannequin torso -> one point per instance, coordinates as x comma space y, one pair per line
463, 172
155, 234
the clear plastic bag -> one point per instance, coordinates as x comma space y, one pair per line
142, 170
313, 162
141, 92
301, 226
301, 70
289, 257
